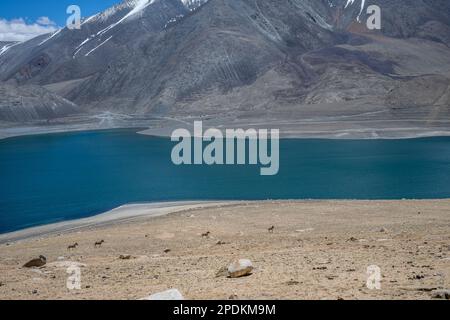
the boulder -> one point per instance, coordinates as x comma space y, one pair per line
441, 294
172, 294
240, 268
38, 262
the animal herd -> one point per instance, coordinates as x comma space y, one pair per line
98, 244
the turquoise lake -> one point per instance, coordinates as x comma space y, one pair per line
50, 178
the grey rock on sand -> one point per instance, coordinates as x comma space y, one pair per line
441, 294
172, 294
39, 262
240, 268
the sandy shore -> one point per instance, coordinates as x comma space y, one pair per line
127, 213
319, 250
328, 128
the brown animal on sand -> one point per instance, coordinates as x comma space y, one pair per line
99, 243
73, 246
206, 234
271, 229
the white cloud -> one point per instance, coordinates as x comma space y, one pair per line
20, 30
45, 21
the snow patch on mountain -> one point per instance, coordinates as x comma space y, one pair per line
54, 34
101, 44
192, 5
7, 47
363, 4
139, 6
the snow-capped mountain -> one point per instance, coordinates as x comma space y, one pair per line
242, 58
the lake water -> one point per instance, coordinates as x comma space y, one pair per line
50, 178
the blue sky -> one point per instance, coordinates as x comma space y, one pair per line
23, 19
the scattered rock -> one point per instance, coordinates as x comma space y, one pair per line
125, 257
383, 230
320, 268
233, 297
1, 284
219, 243
223, 272
34, 291
172, 294
292, 283
167, 251
240, 268
352, 239
66, 264
441, 294
422, 289
39, 262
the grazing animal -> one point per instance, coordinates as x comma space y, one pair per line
206, 234
73, 246
167, 251
99, 243
271, 229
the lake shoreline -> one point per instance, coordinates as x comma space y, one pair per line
135, 213
289, 133
80, 179
122, 214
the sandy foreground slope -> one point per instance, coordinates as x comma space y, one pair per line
319, 250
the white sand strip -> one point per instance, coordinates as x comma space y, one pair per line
122, 214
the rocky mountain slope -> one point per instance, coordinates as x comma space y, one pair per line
248, 60
30, 102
